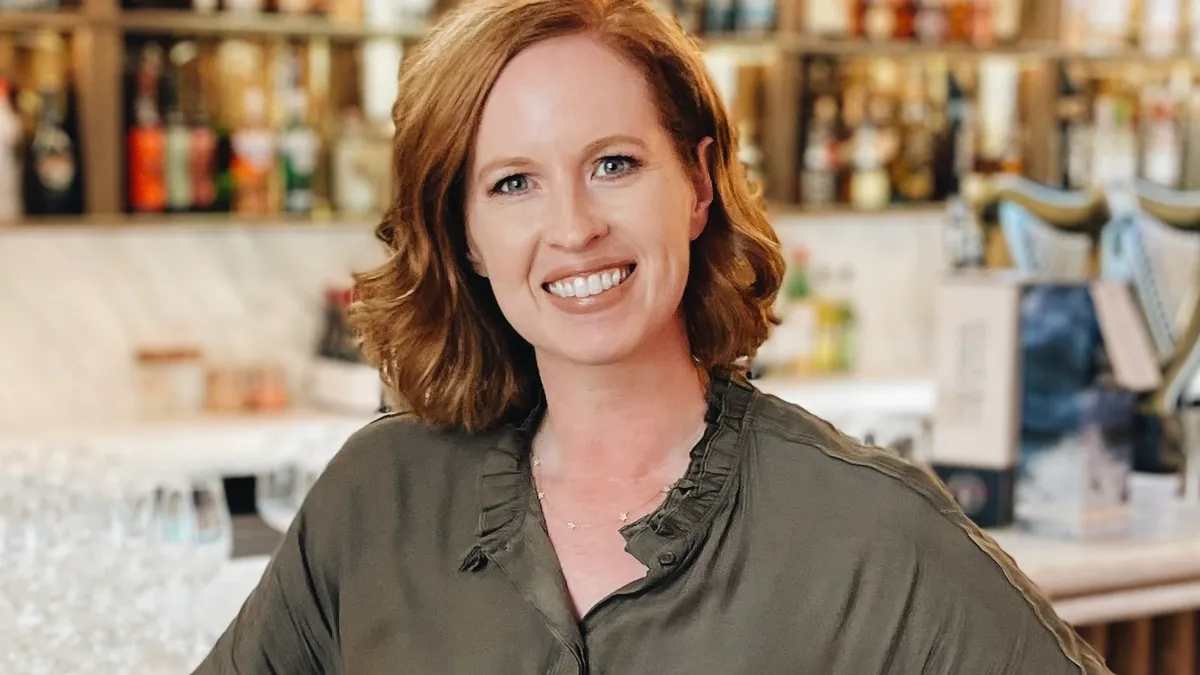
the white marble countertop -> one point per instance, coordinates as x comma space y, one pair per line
838, 397
228, 444
1066, 569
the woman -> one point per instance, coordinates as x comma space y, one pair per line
584, 482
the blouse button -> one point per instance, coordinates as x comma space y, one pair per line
666, 559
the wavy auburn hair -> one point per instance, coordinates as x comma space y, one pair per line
429, 322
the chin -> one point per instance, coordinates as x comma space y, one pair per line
594, 348
595, 353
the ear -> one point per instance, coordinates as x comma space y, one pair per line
702, 187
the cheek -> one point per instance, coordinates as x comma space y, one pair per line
503, 244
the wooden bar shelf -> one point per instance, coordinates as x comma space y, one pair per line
225, 24
62, 20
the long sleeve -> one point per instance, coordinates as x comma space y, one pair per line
286, 626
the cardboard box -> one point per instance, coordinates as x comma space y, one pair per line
1037, 382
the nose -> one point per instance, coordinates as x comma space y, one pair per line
573, 223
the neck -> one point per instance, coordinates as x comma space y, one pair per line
624, 419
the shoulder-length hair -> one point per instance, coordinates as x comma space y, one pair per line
429, 322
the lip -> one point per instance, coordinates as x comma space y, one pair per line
594, 303
585, 267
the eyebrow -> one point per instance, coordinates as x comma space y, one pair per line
592, 148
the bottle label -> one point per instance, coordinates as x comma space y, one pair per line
870, 190
254, 149
55, 165
818, 187
301, 147
202, 167
147, 180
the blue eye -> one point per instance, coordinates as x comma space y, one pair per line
615, 165
511, 184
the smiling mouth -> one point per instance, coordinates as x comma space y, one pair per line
592, 284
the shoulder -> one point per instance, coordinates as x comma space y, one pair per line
843, 471
897, 527
400, 443
878, 497
391, 462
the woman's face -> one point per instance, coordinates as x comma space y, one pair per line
579, 211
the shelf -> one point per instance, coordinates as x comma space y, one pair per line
792, 213
192, 221
800, 44
186, 23
62, 20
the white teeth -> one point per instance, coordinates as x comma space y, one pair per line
585, 286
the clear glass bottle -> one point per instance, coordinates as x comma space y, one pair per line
11, 134
299, 149
254, 151
353, 189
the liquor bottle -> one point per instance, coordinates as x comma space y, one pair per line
1074, 128
832, 19
1006, 20
202, 163
177, 163
961, 20
1109, 24
51, 164
253, 146
873, 144
904, 24
755, 17
147, 138
353, 187
912, 173
932, 24
799, 313
52, 181
876, 20
719, 17
983, 26
1074, 21
299, 149
11, 134
854, 116
963, 132
1161, 27
818, 177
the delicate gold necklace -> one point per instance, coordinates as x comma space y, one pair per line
622, 517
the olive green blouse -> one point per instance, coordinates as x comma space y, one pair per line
786, 548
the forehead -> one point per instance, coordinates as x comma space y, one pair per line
561, 93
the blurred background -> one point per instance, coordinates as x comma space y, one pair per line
991, 211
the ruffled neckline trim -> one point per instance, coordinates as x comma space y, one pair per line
505, 483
